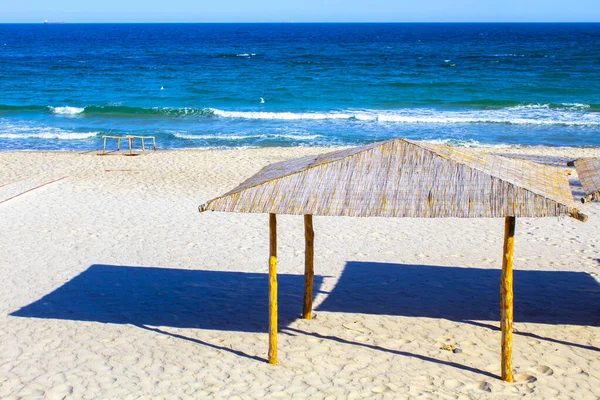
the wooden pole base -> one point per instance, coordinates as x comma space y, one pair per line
506, 298
272, 289
309, 271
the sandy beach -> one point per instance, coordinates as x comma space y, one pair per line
115, 286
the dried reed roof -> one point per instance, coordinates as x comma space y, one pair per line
588, 170
403, 178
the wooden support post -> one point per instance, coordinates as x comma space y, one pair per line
309, 271
506, 298
574, 213
104, 148
119, 144
153, 143
143, 148
273, 289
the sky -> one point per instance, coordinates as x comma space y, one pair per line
300, 11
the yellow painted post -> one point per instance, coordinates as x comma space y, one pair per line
506, 298
309, 271
272, 289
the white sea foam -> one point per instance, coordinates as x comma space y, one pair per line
66, 110
278, 115
49, 135
22, 131
468, 143
299, 137
530, 114
576, 105
187, 136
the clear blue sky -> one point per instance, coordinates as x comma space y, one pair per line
300, 10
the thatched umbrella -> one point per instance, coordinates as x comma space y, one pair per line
402, 178
588, 170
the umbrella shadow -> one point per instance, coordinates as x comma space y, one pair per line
151, 296
466, 295
463, 294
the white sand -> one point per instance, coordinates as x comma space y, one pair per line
114, 286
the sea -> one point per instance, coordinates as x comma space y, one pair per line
64, 86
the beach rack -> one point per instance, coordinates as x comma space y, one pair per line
130, 139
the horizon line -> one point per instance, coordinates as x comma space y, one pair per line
62, 22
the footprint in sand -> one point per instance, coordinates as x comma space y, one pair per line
426, 380
481, 386
574, 371
524, 378
381, 389
452, 384
543, 370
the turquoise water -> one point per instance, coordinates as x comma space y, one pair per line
249, 85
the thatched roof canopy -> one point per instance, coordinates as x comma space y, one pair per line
588, 170
403, 178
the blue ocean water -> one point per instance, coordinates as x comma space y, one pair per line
240, 85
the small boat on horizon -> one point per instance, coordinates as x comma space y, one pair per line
53, 22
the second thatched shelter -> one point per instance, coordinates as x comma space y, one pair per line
588, 170
402, 178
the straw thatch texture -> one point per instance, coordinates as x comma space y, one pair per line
588, 170
403, 178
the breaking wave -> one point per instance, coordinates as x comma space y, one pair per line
480, 112
220, 137
23, 131
567, 115
67, 110
49, 135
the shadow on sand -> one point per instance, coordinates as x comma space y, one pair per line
466, 295
235, 301
216, 300
462, 294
